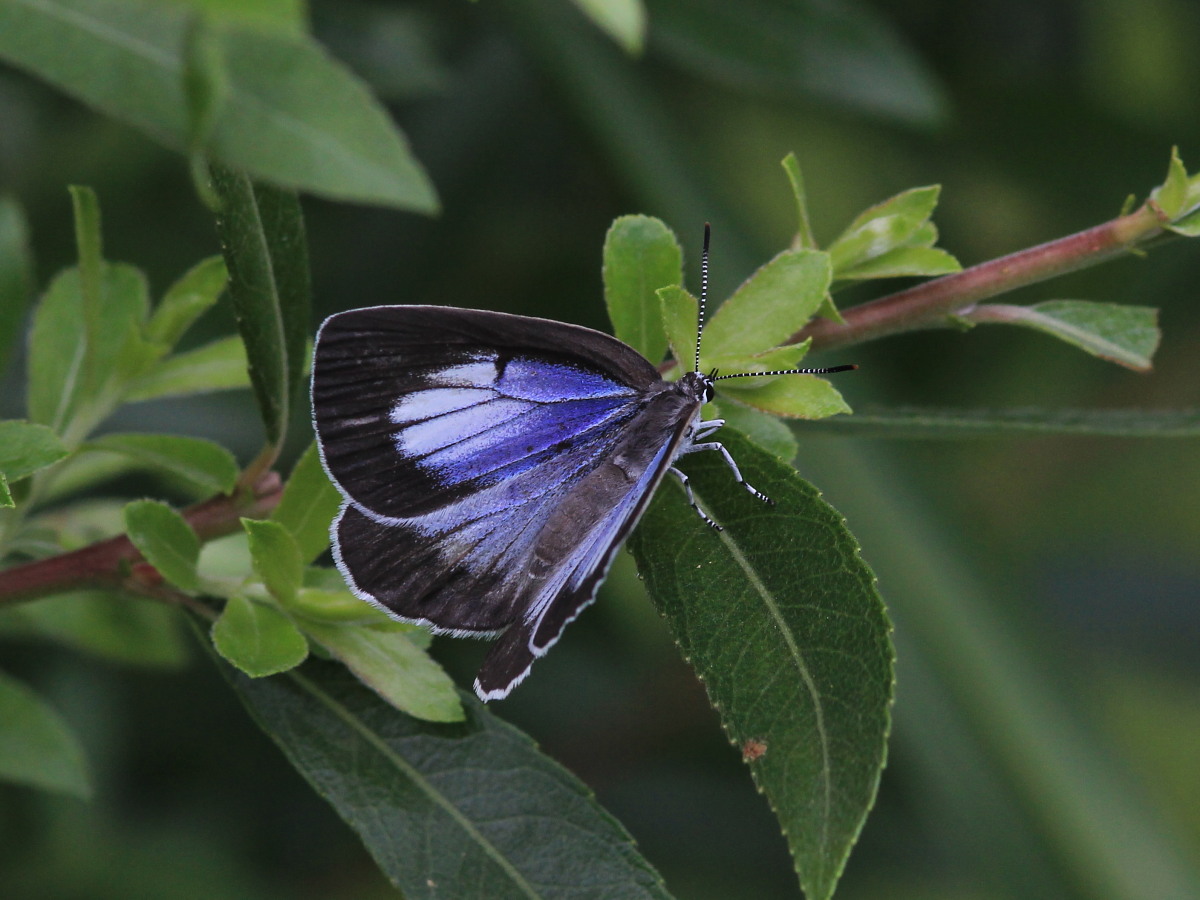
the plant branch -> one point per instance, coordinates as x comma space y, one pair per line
930, 304
116, 562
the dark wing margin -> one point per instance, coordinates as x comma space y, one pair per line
400, 571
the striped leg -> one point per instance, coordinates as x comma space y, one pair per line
687, 486
737, 473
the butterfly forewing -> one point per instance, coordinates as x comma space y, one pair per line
417, 407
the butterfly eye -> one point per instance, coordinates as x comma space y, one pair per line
709, 393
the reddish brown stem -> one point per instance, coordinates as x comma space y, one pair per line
116, 563
929, 304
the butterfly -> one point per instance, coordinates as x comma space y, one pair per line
492, 464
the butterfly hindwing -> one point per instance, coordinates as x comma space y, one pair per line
577, 547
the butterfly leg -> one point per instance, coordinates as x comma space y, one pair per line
737, 473
687, 486
704, 429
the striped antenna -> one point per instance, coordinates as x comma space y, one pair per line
703, 293
700, 330
827, 371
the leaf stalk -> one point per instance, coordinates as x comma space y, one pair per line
115, 563
932, 303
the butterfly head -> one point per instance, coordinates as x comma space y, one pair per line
698, 386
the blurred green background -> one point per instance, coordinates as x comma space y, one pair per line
1044, 590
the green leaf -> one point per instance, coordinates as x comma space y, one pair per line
308, 505
300, 118
1172, 194
16, 276
1187, 225
900, 221
1179, 198
289, 17
59, 388
217, 366
291, 113
258, 639
764, 430
829, 310
394, 667
276, 558
939, 423
37, 748
205, 83
622, 20
679, 312
108, 625
334, 604
205, 464
1126, 335
120, 350
913, 207
771, 306
804, 236
186, 300
508, 821
262, 235
166, 540
641, 255
85, 472
782, 620
96, 367
89, 245
6, 497
794, 396
923, 262
25, 448
773, 360
115, 304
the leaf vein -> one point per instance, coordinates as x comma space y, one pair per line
806, 677
422, 783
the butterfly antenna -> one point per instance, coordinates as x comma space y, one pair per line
826, 371
700, 329
703, 292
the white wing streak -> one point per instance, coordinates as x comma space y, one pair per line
450, 433
481, 369
429, 404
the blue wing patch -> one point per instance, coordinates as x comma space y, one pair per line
493, 419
